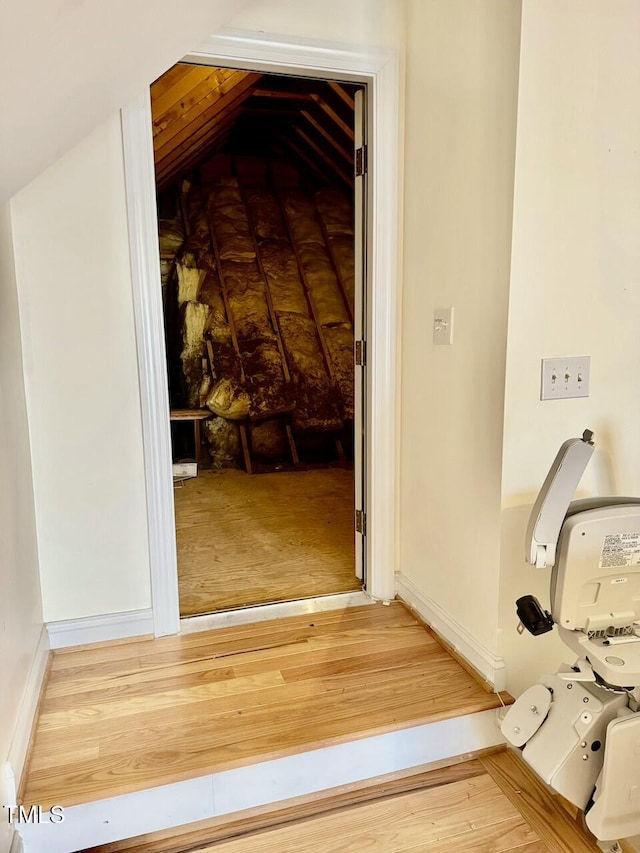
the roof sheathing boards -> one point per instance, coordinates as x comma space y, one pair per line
199, 111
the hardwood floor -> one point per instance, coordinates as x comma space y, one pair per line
488, 805
245, 540
132, 715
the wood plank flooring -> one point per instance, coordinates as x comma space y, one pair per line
488, 805
124, 717
253, 539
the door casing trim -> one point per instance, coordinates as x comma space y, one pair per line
379, 70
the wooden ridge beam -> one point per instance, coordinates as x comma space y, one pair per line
282, 96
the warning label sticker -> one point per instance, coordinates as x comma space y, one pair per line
620, 549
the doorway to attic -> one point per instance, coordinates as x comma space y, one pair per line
261, 245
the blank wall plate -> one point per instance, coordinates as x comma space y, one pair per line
563, 378
443, 326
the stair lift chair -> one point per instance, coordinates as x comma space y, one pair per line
579, 729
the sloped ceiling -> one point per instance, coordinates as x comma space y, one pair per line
66, 65
199, 111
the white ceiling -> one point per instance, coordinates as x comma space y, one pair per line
66, 65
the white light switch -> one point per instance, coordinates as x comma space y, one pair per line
443, 326
565, 377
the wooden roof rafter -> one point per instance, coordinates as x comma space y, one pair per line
346, 155
208, 139
197, 110
324, 156
189, 110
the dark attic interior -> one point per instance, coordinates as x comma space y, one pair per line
255, 189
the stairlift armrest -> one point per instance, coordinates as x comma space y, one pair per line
552, 503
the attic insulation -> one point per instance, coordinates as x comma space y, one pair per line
263, 284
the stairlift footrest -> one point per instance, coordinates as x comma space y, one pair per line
524, 717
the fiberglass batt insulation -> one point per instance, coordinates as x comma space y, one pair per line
247, 300
268, 439
190, 277
223, 441
230, 226
269, 393
194, 321
335, 211
343, 252
281, 270
323, 286
171, 234
301, 216
265, 215
317, 400
339, 341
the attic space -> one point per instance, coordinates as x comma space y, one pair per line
255, 191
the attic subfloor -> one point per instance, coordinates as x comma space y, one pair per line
245, 540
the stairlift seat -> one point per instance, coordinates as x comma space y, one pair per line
616, 665
595, 586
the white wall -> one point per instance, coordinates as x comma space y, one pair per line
80, 358
68, 64
461, 92
359, 22
575, 286
83, 399
20, 608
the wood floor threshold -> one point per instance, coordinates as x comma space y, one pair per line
192, 837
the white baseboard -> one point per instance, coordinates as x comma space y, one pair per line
490, 666
278, 780
97, 629
28, 707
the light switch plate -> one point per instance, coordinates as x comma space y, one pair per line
563, 378
443, 326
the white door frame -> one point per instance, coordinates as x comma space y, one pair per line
379, 69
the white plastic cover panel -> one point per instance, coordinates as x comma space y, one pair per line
597, 576
616, 811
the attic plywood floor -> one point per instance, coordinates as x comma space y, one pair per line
132, 715
245, 540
